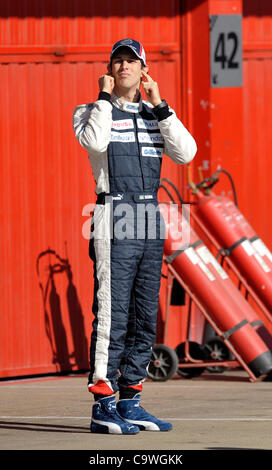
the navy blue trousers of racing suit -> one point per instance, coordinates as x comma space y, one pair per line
126, 292
135, 274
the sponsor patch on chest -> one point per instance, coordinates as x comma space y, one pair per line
145, 137
122, 124
147, 124
122, 136
151, 152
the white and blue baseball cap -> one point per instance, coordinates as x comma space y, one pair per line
135, 46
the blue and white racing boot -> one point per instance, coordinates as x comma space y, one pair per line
106, 419
131, 410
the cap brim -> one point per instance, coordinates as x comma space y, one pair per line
128, 47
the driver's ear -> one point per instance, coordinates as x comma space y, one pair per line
109, 69
145, 68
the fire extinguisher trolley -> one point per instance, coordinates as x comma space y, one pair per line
225, 309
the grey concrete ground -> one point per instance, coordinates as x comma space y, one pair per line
213, 411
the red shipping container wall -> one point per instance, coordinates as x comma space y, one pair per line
255, 194
52, 54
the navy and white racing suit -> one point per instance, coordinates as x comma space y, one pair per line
125, 143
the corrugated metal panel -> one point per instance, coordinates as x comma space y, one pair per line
42, 202
258, 143
86, 22
46, 178
257, 165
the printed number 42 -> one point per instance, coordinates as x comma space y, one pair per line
220, 51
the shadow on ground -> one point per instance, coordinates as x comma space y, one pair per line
43, 427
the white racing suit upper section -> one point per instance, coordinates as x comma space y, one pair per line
98, 124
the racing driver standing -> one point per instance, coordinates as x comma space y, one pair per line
126, 137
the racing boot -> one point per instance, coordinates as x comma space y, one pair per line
106, 419
132, 412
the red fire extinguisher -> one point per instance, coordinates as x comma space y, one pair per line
212, 210
261, 251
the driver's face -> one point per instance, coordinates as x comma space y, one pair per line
126, 69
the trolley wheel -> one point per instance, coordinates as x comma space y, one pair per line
163, 363
217, 351
196, 352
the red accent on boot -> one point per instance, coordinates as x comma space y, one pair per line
100, 388
136, 387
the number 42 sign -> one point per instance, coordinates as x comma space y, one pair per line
226, 50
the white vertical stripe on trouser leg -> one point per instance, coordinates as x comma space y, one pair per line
102, 246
